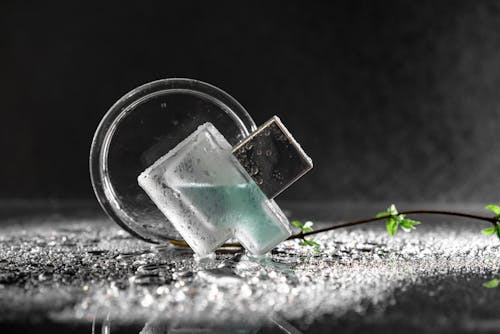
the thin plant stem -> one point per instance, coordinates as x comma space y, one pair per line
409, 212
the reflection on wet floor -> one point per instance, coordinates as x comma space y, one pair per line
88, 271
273, 324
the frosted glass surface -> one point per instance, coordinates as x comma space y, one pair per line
208, 196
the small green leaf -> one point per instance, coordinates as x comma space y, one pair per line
382, 214
298, 224
305, 242
489, 230
314, 243
308, 242
415, 222
309, 224
392, 210
392, 226
493, 207
408, 224
491, 284
492, 230
307, 229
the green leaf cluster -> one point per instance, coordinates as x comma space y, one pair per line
306, 228
396, 220
495, 229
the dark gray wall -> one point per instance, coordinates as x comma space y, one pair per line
394, 100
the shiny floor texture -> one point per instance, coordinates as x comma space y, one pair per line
64, 266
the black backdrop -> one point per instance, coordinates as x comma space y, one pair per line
394, 100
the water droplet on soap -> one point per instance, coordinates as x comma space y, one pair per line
254, 170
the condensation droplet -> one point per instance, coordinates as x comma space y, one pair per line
254, 170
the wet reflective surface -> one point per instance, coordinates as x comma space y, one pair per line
70, 268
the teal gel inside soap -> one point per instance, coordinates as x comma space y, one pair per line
209, 197
241, 208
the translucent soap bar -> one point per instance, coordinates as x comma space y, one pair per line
209, 197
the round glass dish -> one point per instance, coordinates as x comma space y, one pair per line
141, 127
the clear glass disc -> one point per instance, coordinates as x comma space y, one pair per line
141, 127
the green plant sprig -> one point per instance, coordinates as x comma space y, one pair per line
495, 229
396, 220
305, 229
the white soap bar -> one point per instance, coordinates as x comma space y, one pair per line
209, 197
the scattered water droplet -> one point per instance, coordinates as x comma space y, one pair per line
97, 251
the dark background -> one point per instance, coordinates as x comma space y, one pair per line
393, 100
